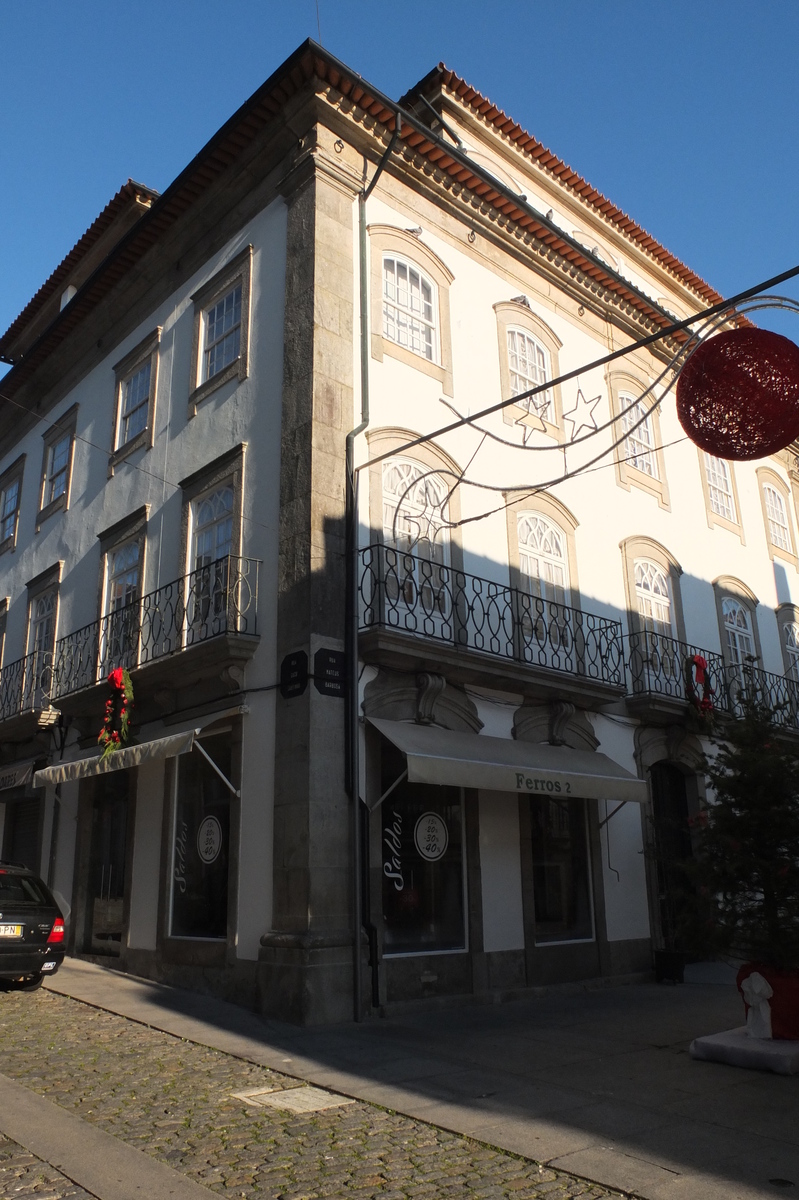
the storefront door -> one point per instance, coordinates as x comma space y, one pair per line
107, 865
22, 832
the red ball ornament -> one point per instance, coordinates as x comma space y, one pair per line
738, 394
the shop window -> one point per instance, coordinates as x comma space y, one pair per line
200, 855
561, 871
423, 870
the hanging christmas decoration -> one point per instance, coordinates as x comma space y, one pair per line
698, 684
116, 726
582, 415
738, 394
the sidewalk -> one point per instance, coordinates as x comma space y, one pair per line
596, 1083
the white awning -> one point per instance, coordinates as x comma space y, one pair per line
15, 775
446, 758
131, 756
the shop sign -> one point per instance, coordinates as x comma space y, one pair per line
16, 776
392, 866
431, 836
531, 783
209, 840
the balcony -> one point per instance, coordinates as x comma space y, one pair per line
487, 632
209, 617
780, 693
656, 673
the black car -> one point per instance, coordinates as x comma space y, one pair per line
31, 928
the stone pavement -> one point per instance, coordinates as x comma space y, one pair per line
598, 1083
124, 1110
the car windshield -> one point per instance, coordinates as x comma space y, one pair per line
21, 889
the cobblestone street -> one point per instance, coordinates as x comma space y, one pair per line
174, 1100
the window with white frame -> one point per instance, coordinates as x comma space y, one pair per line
791, 635
9, 510
777, 519
57, 474
543, 562
653, 597
719, 487
42, 613
212, 544
409, 308
529, 367
121, 622
738, 631
222, 333
134, 404
415, 515
639, 436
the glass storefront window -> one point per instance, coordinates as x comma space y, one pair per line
561, 871
200, 844
423, 870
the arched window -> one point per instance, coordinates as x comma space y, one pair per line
738, 631
415, 516
409, 307
543, 562
777, 518
653, 597
719, 488
639, 430
791, 635
529, 367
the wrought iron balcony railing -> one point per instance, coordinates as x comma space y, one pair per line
429, 599
778, 693
221, 597
658, 665
26, 684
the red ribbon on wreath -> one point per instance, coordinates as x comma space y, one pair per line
698, 686
116, 725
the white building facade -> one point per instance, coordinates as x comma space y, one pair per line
531, 589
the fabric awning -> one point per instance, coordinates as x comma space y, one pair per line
131, 756
15, 775
443, 757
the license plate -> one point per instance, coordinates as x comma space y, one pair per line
48, 966
10, 931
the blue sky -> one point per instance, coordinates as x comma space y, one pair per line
685, 114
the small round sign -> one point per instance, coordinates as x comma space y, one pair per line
209, 839
431, 836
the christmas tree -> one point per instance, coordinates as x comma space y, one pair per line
745, 872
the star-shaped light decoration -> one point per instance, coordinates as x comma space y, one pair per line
582, 415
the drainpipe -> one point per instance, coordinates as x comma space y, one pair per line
351, 632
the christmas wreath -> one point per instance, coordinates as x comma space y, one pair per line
698, 684
114, 733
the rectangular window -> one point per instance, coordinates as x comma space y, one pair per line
42, 610
57, 468
120, 631
561, 871
9, 510
59, 445
423, 870
222, 333
639, 441
528, 363
778, 529
220, 346
408, 308
135, 405
719, 487
201, 843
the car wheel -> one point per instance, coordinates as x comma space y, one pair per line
31, 985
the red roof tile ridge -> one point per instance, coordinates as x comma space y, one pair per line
531, 146
129, 191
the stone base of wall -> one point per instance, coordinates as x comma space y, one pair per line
306, 979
